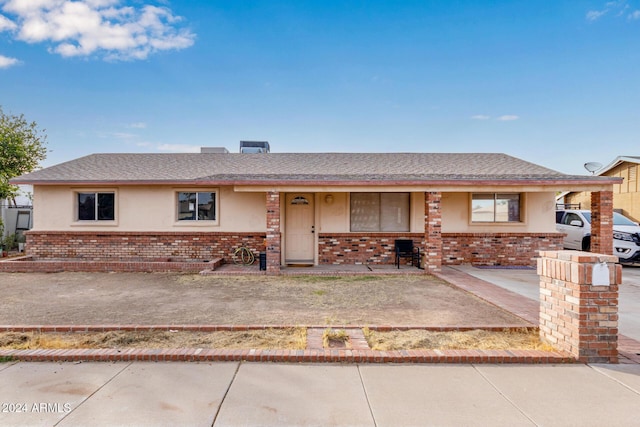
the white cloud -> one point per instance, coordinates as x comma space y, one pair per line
6, 24
6, 62
138, 125
480, 117
124, 135
98, 27
179, 148
508, 117
617, 8
594, 15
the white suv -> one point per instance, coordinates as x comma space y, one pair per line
576, 224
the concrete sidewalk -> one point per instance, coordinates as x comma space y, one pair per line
269, 394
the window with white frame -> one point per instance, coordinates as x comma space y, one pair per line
496, 207
197, 206
380, 211
96, 206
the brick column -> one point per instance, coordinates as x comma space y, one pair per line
602, 222
579, 304
432, 232
273, 233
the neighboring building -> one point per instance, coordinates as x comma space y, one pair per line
300, 208
626, 195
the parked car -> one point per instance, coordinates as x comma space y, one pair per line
576, 224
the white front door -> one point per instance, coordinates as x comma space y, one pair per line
299, 229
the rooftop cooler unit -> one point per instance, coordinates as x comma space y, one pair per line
254, 147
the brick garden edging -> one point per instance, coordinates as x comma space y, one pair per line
255, 355
27, 264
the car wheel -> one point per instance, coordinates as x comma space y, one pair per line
586, 244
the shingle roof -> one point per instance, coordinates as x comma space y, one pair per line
292, 167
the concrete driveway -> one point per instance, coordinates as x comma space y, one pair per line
525, 282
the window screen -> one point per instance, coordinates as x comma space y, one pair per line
380, 211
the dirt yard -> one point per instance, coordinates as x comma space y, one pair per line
159, 298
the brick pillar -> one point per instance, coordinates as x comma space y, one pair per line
432, 232
602, 222
273, 232
579, 304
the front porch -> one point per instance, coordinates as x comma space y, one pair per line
318, 270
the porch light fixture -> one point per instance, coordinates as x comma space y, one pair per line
328, 199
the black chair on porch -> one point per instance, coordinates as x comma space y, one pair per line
405, 249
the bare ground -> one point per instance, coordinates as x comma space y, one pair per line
168, 298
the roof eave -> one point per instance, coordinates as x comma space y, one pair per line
586, 181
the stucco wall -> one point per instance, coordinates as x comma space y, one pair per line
538, 215
146, 208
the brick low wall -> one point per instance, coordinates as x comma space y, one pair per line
497, 248
333, 248
457, 248
132, 246
362, 248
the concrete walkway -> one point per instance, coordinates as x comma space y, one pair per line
269, 394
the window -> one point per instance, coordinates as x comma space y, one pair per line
96, 206
197, 206
380, 211
573, 217
299, 201
495, 207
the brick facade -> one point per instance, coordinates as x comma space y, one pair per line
578, 314
457, 248
497, 248
602, 222
274, 236
140, 246
433, 231
362, 248
333, 248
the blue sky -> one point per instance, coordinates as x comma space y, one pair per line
553, 82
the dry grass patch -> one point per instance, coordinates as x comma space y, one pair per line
286, 339
335, 338
416, 339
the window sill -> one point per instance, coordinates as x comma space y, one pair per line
191, 223
508, 224
94, 224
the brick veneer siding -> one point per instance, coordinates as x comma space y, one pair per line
457, 248
274, 237
139, 246
602, 222
433, 231
333, 248
362, 248
497, 248
577, 316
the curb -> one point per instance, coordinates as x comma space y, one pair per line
292, 356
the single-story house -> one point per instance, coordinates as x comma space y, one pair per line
626, 194
303, 208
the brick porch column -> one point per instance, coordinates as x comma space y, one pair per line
432, 231
602, 222
579, 304
273, 233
